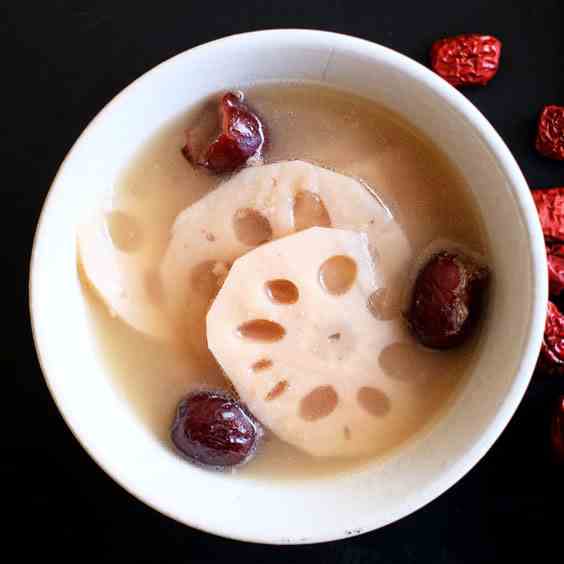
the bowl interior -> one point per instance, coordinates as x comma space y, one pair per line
325, 508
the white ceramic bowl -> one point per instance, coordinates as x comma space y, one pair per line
327, 508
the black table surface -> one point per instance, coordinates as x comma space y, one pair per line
63, 61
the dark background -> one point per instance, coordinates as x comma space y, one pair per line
62, 62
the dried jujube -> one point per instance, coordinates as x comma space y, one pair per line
557, 431
551, 358
467, 59
550, 132
446, 299
555, 259
550, 207
213, 429
242, 136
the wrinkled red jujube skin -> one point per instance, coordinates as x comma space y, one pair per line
550, 207
555, 259
551, 359
557, 431
467, 59
242, 136
213, 429
446, 300
550, 132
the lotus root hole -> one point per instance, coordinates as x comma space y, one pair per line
261, 330
124, 230
337, 274
251, 227
382, 306
282, 292
319, 403
408, 362
347, 432
334, 337
262, 364
277, 391
309, 211
208, 277
373, 400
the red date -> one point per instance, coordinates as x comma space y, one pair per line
213, 429
550, 132
557, 431
242, 136
551, 359
555, 259
468, 59
550, 207
446, 300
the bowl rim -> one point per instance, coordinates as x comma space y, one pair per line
526, 207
